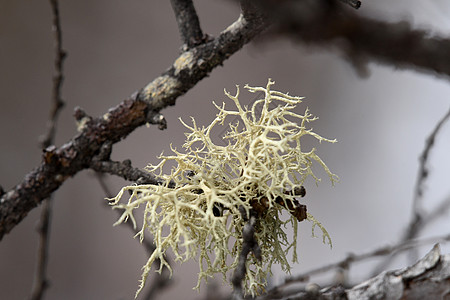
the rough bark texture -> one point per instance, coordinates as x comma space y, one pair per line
61, 163
141, 108
320, 22
429, 278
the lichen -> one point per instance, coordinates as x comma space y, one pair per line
185, 61
200, 210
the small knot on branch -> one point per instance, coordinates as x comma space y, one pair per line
50, 154
104, 153
82, 118
157, 119
79, 113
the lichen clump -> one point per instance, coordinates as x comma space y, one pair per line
201, 207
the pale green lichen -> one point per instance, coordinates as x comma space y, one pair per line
262, 158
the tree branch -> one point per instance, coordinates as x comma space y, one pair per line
58, 78
124, 170
427, 279
61, 163
188, 23
101, 163
41, 282
420, 218
360, 39
249, 244
354, 258
423, 168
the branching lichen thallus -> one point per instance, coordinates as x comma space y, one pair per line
203, 203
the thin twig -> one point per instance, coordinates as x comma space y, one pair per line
188, 23
426, 279
249, 244
423, 168
354, 258
125, 170
102, 164
419, 218
163, 280
58, 78
41, 283
64, 162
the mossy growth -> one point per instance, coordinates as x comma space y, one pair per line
198, 211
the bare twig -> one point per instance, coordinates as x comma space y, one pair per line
41, 282
125, 170
188, 23
102, 163
354, 258
249, 244
419, 218
76, 155
426, 279
60, 55
416, 225
423, 168
162, 280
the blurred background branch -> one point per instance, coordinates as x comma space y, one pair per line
41, 280
332, 26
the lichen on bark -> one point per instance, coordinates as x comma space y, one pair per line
200, 210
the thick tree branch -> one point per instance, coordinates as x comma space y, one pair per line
361, 39
198, 62
429, 278
188, 23
61, 163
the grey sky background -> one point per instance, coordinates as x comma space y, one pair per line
116, 47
